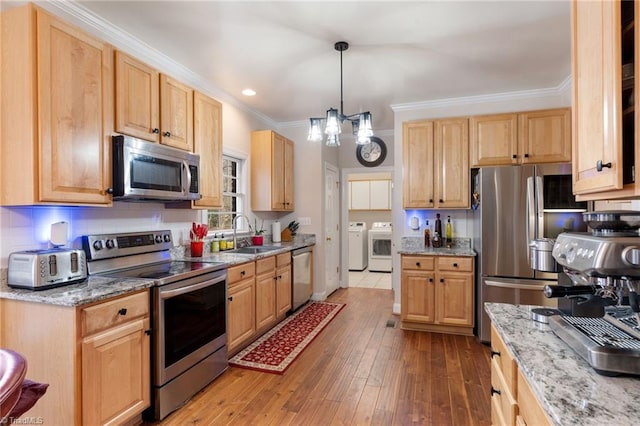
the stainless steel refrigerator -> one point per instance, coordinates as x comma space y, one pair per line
514, 205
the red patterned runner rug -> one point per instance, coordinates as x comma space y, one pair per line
279, 347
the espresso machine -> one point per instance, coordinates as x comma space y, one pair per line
599, 303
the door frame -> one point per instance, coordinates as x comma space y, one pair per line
331, 261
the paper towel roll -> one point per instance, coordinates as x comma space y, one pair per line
275, 232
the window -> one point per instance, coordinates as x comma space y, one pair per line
232, 195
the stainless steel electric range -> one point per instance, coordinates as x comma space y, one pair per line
188, 310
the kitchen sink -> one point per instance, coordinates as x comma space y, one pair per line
255, 249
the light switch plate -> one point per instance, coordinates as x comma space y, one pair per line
304, 221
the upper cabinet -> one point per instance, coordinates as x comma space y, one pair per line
271, 172
57, 111
604, 49
152, 106
207, 140
531, 137
370, 195
436, 164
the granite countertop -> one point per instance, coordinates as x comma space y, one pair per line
96, 288
569, 390
415, 245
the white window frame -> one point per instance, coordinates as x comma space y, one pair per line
241, 195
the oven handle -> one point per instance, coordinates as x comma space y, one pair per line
167, 294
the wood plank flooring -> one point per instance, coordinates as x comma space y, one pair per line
361, 370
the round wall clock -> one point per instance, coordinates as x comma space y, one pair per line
373, 153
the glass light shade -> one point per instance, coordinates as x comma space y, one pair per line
333, 140
315, 130
365, 128
333, 125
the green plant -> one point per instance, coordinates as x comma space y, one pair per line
258, 231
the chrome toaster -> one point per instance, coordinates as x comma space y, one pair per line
42, 269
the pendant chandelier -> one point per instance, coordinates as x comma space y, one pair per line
360, 122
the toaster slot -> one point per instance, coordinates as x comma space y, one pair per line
74, 262
53, 265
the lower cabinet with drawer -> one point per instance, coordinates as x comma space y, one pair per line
437, 293
95, 358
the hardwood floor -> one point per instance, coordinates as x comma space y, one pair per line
360, 370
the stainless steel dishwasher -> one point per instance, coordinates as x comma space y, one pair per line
302, 260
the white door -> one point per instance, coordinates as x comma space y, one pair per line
332, 227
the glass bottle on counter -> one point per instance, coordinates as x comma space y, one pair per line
437, 241
449, 232
215, 244
223, 243
427, 235
438, 228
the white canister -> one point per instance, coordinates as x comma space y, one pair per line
275, 232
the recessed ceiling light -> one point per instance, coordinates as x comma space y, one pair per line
249, 92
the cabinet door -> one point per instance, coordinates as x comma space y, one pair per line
265, 300
289, 204
75, 113
207, 141
283, 290
596, 102
454, 299
115, 374
176, 114
380, 195
451, 163
137, 98
494, 140
241, 324
545, 136
360, 195
417, 296
417, 161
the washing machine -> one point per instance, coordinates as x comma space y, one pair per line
358, 246
380, 239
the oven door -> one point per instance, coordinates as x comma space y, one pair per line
190, 322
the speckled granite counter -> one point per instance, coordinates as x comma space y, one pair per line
568, 389
93, 289
415, 245
232, 258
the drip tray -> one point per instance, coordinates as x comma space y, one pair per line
611, 346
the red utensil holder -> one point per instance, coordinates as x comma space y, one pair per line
196, 248
257, 240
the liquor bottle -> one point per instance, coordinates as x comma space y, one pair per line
449, 232
427, 235
438, 228
437, 241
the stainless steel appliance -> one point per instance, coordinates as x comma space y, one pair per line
515, 206
188, 309
302, 260
145, 171
605, 281
43, 269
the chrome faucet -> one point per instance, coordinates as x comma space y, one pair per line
234, 224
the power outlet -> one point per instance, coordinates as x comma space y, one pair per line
304, 221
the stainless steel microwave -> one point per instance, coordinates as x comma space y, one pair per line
147, 171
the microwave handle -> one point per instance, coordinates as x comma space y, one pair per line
187, 173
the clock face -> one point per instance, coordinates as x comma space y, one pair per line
373, 153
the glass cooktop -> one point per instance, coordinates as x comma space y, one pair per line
166, 272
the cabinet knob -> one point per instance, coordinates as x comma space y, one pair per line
431, 200
441, 200
442, 280
242, 273
122, 311
418, 264
148, 332
430, 280
156, 130
526, 156
455, 265
496, 353
514, 156
600, 165
167, 134
495, 391
230, 298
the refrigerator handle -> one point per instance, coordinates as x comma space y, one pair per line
540, 206
531, 216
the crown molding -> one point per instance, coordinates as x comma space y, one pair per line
127, 43
566, 84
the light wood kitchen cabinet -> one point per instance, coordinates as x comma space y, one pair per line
241, 306
271, 172
151, 105
96, 358
437, 293
436, 164
265, 293
604, 38
56, 111
530, 137
370, 195
207, 141
283, 285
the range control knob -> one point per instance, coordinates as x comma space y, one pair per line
110, 244
631, 256
158, 239
97, 245
167, 238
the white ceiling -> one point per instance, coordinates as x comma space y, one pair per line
400, 52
